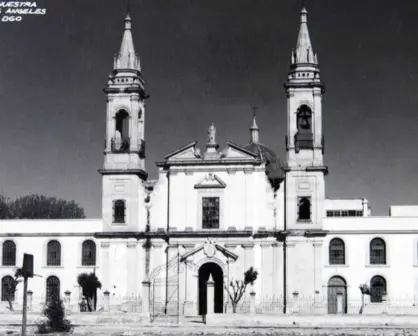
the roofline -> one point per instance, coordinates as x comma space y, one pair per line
180, 149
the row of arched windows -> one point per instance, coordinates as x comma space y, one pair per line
52, 287
338, 284
377, 252
53, 254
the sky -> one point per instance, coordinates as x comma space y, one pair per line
207, 61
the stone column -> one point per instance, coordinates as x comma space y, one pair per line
385, 303
295, 305
210, 296
105, 265
131, 265
106, 303
146, 286
30, 299
252, 303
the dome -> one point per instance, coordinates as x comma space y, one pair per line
274, 168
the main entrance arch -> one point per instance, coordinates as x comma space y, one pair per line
218, 277
336, 285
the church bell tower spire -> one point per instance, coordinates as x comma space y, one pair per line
124, 155
305, 177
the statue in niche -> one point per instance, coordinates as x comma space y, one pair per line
212, 134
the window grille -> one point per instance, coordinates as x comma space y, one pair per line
54, 253
336, 252
88, 253
52, 287
377, 252
6, 283
377, 288
210, 212
9, 253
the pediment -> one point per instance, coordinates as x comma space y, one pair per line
188, 152
209, 250
210, 181
233, 151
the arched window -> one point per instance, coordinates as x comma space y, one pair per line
304, 136
336, 252
54, 253
119, 211
377, 252
88, 253
121, 142
377, 288
9, 253
304, 208
6, 286
52, 287
304, 119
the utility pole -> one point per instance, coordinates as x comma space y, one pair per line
27, 272
25, 297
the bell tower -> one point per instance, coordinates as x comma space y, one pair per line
124, 155
305, 182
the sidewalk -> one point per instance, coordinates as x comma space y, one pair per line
230, 321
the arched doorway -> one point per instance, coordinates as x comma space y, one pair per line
218, 277
336, 285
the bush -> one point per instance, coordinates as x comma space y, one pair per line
55, 314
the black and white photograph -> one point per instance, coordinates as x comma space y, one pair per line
209, 167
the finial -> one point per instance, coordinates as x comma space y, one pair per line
254, 111
303, 15
254, 130
128, 6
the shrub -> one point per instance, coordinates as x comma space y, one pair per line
55, 314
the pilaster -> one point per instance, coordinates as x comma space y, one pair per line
131, 266
105, 263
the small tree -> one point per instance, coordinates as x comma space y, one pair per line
11, 286
89, 284
55, 314
236, 289
365, 290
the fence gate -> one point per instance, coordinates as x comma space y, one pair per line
163, 287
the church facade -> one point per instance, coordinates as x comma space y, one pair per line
219, 211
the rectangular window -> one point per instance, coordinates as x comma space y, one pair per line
330, 213
210, 212
304, 209
359, 213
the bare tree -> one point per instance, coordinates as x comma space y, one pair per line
236, 288
365, 290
